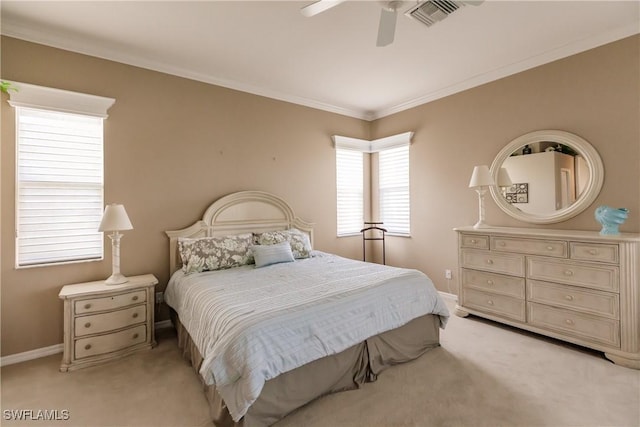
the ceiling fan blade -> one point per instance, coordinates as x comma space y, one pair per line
387, 27
319, 7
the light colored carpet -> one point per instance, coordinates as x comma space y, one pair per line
484, 374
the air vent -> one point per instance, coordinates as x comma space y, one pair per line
432, 11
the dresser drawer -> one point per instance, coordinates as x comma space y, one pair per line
491, 282
102, 344
494, 262
110, 302
552, 248
599, 303
474, 241
584, 326
96, 323
500, 305
594, 252
602, 277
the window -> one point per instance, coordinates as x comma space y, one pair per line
393, 190
59, 175
350, 191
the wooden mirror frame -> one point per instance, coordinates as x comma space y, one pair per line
581, 146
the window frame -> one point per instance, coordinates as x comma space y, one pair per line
30, 98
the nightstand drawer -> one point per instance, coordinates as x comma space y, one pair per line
580, 299
494, 262
102, 344
602, 277
552, 248
594, 252
96, 323
584, 326
474, 241
500, 305
495, 283
109, 303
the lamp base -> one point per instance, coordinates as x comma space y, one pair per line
481, 224
116, 279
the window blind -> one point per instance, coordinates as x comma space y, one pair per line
393, 187
59, 186
350, 191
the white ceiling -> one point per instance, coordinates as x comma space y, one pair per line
329, 61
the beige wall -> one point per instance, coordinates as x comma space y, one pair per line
172, 146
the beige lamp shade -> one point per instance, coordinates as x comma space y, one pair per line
504, 180
115, 218
481, 177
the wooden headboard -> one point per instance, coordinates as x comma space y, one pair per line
236, 213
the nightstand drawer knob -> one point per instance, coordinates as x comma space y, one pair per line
135, 315
549, 248
87, 347
87, 325
569, 322
135, 336
568, 297
593, 252
490, 282
503, 244
490, 302
474, 241
135, 298
568, 273
87, 306
489, 261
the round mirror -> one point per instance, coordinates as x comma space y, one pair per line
546, 176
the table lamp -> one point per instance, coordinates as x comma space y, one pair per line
115, 219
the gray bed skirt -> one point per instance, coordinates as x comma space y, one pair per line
346, 370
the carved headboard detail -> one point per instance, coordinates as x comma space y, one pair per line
236, 213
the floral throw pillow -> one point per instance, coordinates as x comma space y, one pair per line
299, 241
215, 253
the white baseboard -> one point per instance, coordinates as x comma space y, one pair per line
448, 296
31, 354
54, 349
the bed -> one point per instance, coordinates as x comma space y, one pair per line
265, 333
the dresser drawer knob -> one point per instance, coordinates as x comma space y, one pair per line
490, 302
569, 322
489, 261
502, 244
135, 315
135, 298
568, 273
568, 297
474, 241
593, 251
135, 336
549, 248
87, 347
87, 306
87, 325
490, 282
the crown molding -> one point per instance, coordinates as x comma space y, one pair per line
38, 35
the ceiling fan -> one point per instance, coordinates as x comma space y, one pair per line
428, 12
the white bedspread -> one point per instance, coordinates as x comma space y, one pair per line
253, 324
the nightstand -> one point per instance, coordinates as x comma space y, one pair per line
106, 322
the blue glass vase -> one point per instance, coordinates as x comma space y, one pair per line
610, 219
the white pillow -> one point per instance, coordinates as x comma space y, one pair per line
272, 254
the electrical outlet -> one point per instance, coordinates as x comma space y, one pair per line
159, 297
447, 274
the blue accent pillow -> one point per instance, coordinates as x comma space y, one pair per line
272, 254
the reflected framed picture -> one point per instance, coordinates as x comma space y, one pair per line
517, 193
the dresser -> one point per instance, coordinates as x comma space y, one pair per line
577, 286
106, 322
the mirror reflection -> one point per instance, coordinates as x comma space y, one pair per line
546, 176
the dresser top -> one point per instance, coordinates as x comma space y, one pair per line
593, 236
99, 287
